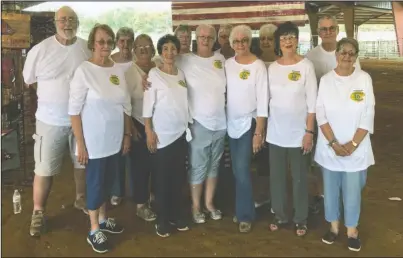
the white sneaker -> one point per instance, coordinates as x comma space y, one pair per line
116, 200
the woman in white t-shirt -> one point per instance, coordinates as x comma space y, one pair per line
345, 111
100, 110
290, 127
166, 117
140, 158
122, 59
247, 100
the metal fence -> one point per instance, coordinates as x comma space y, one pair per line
380, 49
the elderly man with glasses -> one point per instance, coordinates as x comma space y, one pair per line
323, 58
52, 64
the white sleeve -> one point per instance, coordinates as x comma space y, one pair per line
357, 64
149, 98
368, 115
262, 91
127, 106
78, 92
30, 65
320, 107
311, 88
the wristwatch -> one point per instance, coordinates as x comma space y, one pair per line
354, 143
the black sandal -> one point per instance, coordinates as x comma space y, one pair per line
278, 224
301, 227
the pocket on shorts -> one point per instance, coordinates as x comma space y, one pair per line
37, 148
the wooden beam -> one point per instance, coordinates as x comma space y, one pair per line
313, 22
348, 16
370, 18
397, 8
372, 9
326, 8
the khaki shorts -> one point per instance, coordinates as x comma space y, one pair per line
51, 144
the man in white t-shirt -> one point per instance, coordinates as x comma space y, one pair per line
323, 58
51, 64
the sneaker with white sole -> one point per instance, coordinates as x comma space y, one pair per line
80, 204
199, 217
110, 226
37, 224
98, 241
115, 200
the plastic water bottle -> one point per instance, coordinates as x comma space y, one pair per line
17, 202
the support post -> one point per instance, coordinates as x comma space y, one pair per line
313, 23
397, 9
348, 14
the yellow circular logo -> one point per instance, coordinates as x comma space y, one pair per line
357, 96
114, 79
218, 64
294, 76
244, 75
182, 83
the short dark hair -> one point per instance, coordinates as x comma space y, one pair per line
284, 29
350, 41
147, 37
166, 39
104, 27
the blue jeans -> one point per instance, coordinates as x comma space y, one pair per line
350, 184
241, 156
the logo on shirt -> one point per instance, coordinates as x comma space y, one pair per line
244, 74
218, 64
182, 83
357, 95
294, 76
114, 79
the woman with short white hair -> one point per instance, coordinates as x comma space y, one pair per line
247, 106
345, 113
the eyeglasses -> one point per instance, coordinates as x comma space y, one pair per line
350, 54
64, 20
288, 38
102, 42
144, 48
328, 29
242, 41
208, 38
266, 38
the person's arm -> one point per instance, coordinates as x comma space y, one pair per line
311, 93
148, 110
29, 71
262, 99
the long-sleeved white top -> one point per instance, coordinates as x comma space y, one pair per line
134, 79
166, 102
52, 66
293, 91
324, 61
346, 103
247, 95
100, 96
206, 84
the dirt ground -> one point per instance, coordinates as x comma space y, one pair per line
381, 219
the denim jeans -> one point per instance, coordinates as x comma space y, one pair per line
350, 184
241, 156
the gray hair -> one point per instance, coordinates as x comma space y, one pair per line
347, 41
328, 17
267, 29
243, 29
208, 27
225, 28
125, 31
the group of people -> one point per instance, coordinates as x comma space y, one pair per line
276, 106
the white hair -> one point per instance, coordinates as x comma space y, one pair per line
267, 29
241, 29
225, 28
207, 27
328, 17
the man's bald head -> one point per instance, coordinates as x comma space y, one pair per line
66, 21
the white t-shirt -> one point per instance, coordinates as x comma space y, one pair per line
99, 95
324, 61
293, 91
346, 103
206, 83
167, 103
52, 66
247, 95
134, 79
124, 66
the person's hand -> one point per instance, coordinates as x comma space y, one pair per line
349, 147
82, 154
146, 84
152, 140
340, 150
136, 134
126, 144
307, 143
258, 142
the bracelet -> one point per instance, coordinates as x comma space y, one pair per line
332, 142
309, 131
